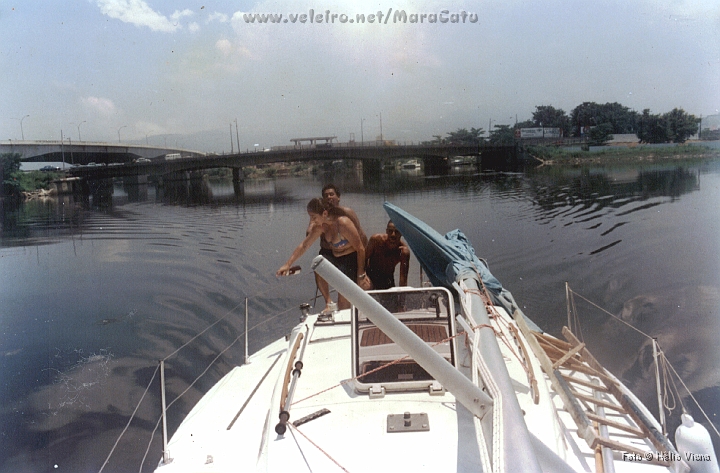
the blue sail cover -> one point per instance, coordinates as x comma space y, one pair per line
445, 259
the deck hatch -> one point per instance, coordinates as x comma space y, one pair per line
380, 362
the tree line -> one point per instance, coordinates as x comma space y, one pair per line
596, 121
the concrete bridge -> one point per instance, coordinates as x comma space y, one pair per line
85, 152
435, 158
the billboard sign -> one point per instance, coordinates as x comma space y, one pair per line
540, 133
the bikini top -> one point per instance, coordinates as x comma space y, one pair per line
342, 243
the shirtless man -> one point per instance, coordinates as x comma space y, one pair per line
383, 253
331, 195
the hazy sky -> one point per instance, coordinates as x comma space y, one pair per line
143, 68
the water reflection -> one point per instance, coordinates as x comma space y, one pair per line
113, 281
588, 191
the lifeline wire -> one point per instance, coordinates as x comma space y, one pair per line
662, 354
132, 416
129, 420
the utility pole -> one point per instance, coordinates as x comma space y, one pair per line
237, 135
700, 130
381, 134
232, 145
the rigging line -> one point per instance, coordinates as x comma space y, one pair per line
203, 331
202, 374
194, 381
147, 450
300, 450
182, 394
500, 334
269, 319
694, 400
222, 318
674, 386
204, 371
668, 394
292, 427
351, 379
132, 416
576, 316
707, 418
284, 280
610, 314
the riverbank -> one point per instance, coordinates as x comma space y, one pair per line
621, 154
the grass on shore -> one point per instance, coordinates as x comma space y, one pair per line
34, 180
618, 154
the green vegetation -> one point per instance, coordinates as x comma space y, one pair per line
550, 117
10, 173
675, 126
597, 122
35, 180
621, 119
502, 135
463, 136
15, 182
618, 154
223, 173
600, 134
279, 169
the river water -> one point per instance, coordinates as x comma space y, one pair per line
95, 290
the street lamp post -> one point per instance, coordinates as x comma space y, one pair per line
79, 138
124, 126
362, 136
22, 133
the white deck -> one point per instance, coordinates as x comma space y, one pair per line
354, 435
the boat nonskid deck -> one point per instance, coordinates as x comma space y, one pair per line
233, 426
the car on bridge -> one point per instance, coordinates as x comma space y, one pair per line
49, 169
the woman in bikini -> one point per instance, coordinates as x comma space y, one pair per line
348, 251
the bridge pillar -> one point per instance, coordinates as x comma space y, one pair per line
136, 187
371, 169
101, 191
435, 166
237, 175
